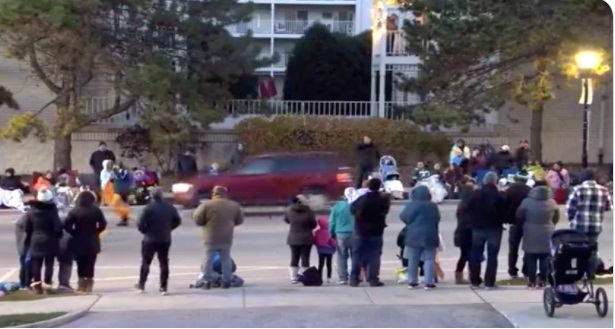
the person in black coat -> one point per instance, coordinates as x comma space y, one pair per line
515, 194
24, 261
43, 230
186, 165
156, 223
504, 159
367, 160
65, 261
370, 211
463, 232
486, 209
85, 222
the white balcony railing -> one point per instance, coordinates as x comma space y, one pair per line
260, 26
240, 109
299, 27
283, 62
396, 43
394, 110
94, 105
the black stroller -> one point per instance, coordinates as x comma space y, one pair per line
571, 251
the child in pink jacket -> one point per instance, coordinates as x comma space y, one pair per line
325, 246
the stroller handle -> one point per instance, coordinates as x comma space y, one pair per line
387, 158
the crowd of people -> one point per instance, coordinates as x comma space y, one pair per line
353, 231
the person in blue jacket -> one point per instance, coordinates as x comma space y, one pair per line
341, 227
422, 219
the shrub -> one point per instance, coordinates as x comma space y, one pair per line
401, 139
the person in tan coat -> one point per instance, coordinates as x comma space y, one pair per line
217, 219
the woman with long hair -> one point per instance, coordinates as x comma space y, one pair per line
302, 222
85, 222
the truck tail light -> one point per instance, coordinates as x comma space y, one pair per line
343, 178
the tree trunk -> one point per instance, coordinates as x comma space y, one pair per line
536, 132
62, 143
62, 149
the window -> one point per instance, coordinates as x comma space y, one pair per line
256, 167
302, 15
303, 164
327, 15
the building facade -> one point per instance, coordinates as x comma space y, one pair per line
277, 24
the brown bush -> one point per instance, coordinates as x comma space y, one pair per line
401, 139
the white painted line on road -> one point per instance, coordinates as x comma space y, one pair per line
8, 275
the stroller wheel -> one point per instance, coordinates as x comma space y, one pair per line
601, 302
548, 300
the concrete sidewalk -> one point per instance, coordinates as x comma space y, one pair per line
260, 305
524, 309
67, 304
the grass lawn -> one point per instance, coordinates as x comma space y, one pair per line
21, 319
523, 282
26, 295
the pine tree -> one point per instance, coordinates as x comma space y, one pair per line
140, 46
477, 55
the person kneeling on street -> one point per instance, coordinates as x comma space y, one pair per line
217, 219
157, 221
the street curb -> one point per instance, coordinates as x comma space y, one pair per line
61, 320
506, 316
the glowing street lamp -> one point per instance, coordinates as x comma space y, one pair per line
587, 63
588, 60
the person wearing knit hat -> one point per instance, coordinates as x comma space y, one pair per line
43, 230
486, 210
218, 219
515, 194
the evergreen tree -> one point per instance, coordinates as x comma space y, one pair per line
477, 55
329, 67
140, 47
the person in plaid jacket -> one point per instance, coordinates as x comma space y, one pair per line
586, 206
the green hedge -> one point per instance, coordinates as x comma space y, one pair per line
401, 139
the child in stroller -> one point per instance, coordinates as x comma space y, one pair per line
390, 177
144, 182
571, 252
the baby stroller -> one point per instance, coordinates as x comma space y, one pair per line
144, 182
571, 251
391, 177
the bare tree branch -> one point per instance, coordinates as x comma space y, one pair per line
39, 71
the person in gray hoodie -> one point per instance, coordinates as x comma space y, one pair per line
422, 219
537, 215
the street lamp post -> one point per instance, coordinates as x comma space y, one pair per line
587, 63
585, 121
